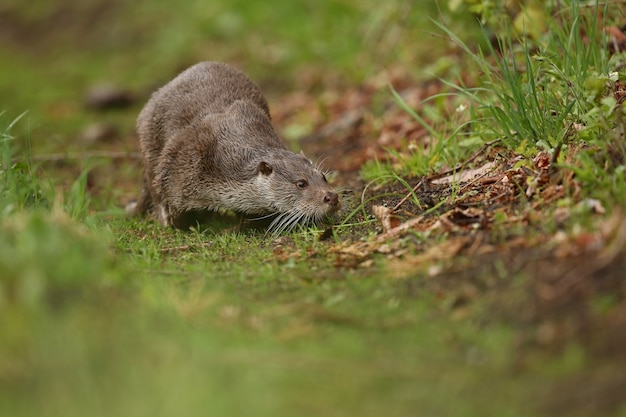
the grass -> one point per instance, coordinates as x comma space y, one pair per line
550, 93
320, 42
104, 315
123, 318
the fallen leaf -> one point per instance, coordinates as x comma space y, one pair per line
595, 206
542, 160
385, 217
467, 175
442, 251
465, 217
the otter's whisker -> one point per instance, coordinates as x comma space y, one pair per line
295, 220
319, 162
287, 222
262, 217
290, 221
277, 226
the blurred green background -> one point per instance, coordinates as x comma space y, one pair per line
107, 316
53, 52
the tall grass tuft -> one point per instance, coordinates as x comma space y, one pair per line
46, 257
555, 92
535, 91
19, 187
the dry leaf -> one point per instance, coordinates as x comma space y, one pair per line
467, 174
445, 250
385, 217
542, 160
464, 217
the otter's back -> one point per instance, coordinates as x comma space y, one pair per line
205, 88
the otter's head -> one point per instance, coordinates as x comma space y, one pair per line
295, 189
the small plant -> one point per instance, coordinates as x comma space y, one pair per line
446, 144
77, 198
19, 187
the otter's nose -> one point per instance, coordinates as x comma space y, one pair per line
331, 198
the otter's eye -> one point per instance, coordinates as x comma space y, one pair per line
301, 184
324, 177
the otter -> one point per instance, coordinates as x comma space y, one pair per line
208, 144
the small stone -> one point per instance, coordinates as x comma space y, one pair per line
108, 96
99, 132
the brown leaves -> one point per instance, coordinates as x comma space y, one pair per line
490, 200
496, 194
360, 254
386, 217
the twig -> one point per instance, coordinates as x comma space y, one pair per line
396, 231
473, 181
406, 197
448, 172
466, 162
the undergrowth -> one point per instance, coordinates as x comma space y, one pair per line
558, 92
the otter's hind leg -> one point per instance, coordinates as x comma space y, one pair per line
143, 204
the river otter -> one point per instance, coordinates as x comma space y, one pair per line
208, 144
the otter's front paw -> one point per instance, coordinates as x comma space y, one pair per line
131, 208
163, 215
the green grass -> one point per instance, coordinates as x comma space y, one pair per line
553, 93
533, 96
141, 45
126, 318
104, 315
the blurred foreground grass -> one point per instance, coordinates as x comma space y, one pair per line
123, 318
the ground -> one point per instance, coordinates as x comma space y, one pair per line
466, 274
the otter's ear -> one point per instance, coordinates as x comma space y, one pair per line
302, 153
264, 168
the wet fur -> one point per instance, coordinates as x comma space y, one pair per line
208, 144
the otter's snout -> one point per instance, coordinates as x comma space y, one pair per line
332, 199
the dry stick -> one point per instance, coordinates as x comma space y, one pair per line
398, 230
473, 181
56, 157
448, 172
406, 197
463, 197
462, 164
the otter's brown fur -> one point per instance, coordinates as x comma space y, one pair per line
208, 144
